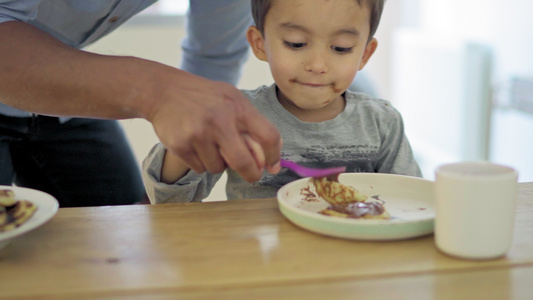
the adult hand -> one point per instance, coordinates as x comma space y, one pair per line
205, 123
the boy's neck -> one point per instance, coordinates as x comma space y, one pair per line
332, 110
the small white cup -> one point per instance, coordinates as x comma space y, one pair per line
475, 205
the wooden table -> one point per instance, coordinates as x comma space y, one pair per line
245, 249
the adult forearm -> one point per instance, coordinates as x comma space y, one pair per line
40, 74
201, 121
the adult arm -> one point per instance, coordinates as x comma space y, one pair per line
215, 46
201, 121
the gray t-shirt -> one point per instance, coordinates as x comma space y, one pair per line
368, 136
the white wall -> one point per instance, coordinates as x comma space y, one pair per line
506, 27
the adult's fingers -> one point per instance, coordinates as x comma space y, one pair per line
268, 137
204, 126
257, 150
188, 155
239, 157
206, 148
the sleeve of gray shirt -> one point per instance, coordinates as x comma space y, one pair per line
192, 187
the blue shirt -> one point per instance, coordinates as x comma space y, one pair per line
76, 23
215, 46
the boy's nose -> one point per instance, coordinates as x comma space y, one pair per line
316, 62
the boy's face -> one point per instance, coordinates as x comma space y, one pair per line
314, 48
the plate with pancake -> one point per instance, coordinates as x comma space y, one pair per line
408, 202
22, 210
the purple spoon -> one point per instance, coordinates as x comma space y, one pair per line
309, 172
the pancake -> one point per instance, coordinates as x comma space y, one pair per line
13, 212
7, 198
334, 192
346, 201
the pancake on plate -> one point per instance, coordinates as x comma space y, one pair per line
346, 201
13, 213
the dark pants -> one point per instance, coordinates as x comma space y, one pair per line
82, 162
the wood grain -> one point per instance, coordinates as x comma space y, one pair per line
234, 249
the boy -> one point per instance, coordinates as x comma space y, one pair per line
314, 49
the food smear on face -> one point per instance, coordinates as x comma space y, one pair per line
346, 201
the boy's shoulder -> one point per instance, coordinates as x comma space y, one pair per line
369, 103
260, 92
365, 98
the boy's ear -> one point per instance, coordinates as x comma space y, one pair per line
256, 41
369, 50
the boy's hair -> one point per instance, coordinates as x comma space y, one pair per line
260, 9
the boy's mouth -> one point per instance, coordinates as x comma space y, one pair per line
315, 84
311, 84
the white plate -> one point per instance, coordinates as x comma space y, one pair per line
409, 200
46, 208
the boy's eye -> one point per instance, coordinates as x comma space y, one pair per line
342, 49
294, 45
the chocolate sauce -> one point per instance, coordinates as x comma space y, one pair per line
332, 177
359, 209
309, 196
